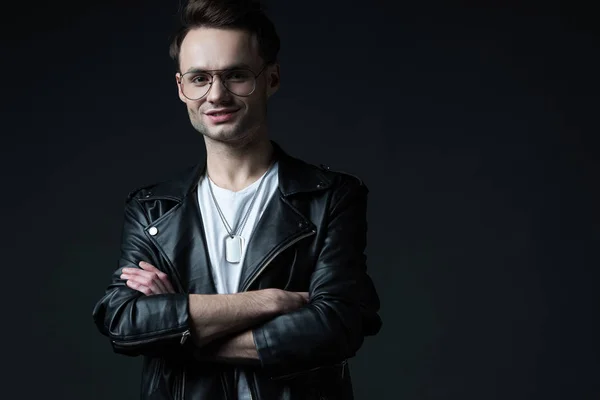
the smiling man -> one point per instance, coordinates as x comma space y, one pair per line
244, 277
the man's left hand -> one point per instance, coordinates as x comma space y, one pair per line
147, 279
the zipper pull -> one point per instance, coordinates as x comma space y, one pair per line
184, 337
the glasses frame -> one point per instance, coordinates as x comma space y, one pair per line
213, 72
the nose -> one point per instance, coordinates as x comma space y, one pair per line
217, 92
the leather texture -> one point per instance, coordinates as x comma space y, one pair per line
311, 237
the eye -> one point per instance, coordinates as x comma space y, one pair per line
198, 79
238, 75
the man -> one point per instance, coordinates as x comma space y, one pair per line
245, 276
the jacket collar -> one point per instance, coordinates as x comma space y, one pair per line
295, 176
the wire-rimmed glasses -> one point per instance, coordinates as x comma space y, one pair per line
239, 81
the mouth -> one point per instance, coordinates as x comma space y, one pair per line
221, 116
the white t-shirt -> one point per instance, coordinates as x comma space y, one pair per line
234, 206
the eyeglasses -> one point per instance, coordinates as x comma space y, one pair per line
239, 81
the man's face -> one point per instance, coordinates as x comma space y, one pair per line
241, 118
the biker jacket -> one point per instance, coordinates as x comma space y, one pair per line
311, 237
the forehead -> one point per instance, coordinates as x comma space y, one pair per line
210, 48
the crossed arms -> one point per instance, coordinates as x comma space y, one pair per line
143, 314
215, 316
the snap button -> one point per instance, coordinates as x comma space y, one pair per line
320, 185
153, 231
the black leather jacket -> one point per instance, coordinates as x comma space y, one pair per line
311, 238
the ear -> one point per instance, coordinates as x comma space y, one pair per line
178, 81
273, 79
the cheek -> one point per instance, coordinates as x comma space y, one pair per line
194, 107
257, 103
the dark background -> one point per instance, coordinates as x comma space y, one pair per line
473, 123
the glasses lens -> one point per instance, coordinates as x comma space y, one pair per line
195, 85
239, 81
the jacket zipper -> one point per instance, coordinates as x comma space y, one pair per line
270, 259
261, 269
183, 335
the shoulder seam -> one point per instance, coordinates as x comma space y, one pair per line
327, 168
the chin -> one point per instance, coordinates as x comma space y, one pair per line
225, 134
238, 134
230, 136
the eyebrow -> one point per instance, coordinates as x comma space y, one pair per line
233, 66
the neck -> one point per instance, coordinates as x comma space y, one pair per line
235, 168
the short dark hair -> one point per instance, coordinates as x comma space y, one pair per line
248, 15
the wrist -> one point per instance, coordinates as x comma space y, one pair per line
270, 301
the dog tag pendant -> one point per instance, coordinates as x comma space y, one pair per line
233, 249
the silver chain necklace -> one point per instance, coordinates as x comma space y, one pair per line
234, 242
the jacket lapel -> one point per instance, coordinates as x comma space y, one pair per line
279, 225
180, 238
179, 234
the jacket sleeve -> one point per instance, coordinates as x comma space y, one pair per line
137, 324
343, 303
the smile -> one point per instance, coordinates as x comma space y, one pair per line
222, 116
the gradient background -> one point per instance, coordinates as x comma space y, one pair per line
474, 124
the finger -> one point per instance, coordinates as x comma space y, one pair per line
146, 278
147, 266
136, 283
143, 280
164, 279
139, 287
157, 282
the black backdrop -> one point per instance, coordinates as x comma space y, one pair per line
473, 124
